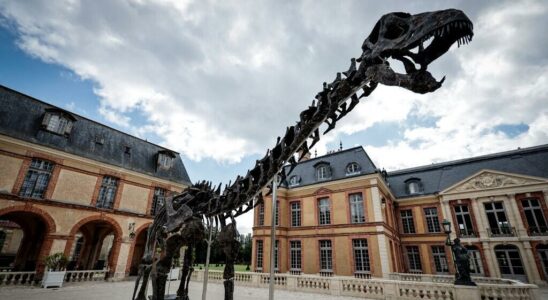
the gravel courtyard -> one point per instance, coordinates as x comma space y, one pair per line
123, 291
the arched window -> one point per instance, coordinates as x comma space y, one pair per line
413, 186
352, 168
323, 172
294, 180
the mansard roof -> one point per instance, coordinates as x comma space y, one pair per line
337, 161
21, 117
435, 178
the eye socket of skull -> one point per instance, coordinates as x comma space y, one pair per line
395, 29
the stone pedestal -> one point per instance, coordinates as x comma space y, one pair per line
466, 292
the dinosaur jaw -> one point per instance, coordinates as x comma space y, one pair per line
427, 49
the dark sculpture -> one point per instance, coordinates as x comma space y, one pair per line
396, 35
462, 262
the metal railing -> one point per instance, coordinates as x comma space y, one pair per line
536, 231
467, 233
501, 231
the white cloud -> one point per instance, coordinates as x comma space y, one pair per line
220, 80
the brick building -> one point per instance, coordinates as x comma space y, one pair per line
69, 184
339, 215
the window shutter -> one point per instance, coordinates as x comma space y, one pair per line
68, 127
45, 120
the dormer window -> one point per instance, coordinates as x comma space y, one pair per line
323, 171
58, 121
352, 168
165, 159
294, 180
413, 186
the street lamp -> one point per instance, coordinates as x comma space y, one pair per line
460, 257
446, 227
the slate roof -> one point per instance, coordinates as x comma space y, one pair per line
435, 178
21, 117
337, 161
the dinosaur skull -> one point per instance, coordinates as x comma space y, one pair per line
416, 40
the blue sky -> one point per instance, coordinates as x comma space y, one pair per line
218, 82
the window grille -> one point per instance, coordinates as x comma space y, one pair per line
259, 264
158, 200
361, 256
440, 260
326, 263
407, 221
107, 193
432, 220
295, 214
356, 208
37, 179
295, 252
414, 259
324, 211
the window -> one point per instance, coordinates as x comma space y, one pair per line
534, 216
476, 267
464, 221
407, 221
37, 179
295, 253
277, 214
58, 122
107, 193
323, 171
414, 259
324, 211
158, 200
276, 257
413, 186
432, 221
356, 208
498, 222
326, 263
295, 214
294, 180
165, 159
361, 256
259, 262
261, 214
440, 260
352, 168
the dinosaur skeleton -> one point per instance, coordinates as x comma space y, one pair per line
415, 40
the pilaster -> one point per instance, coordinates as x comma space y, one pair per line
383, 253
479, 214
530, 265
376, 200
513, 212
494, 270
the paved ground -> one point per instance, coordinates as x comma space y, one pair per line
123, 291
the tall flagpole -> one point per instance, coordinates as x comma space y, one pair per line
273, 236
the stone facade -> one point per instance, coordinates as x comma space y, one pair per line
497, 205
67, 206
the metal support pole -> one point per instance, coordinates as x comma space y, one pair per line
273, 236
206, 271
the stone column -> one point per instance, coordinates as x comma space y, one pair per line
530, 265
490, 258
120, 258
376, 200
481, 221
513, 211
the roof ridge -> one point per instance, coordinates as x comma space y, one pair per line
86, 118
470, 159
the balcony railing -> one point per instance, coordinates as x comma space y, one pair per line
468, 233
536, 231
501, 231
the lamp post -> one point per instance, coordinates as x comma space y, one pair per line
461, 259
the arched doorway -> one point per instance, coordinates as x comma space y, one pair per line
138, 250
510, 263
94, 244
25, 235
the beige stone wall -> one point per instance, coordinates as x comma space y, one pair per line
74, 187
9, 168
134, 198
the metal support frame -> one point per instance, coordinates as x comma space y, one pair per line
273, 236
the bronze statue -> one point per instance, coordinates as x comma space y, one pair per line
396, 35
462, 262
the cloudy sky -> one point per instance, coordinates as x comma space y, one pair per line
218, 81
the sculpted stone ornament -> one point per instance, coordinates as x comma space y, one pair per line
415, 40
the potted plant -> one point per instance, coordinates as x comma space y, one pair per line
55, 270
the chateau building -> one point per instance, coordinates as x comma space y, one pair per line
340, 215
71, 185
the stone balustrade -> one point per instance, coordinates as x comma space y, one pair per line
399, 286
18, 278
86, 275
